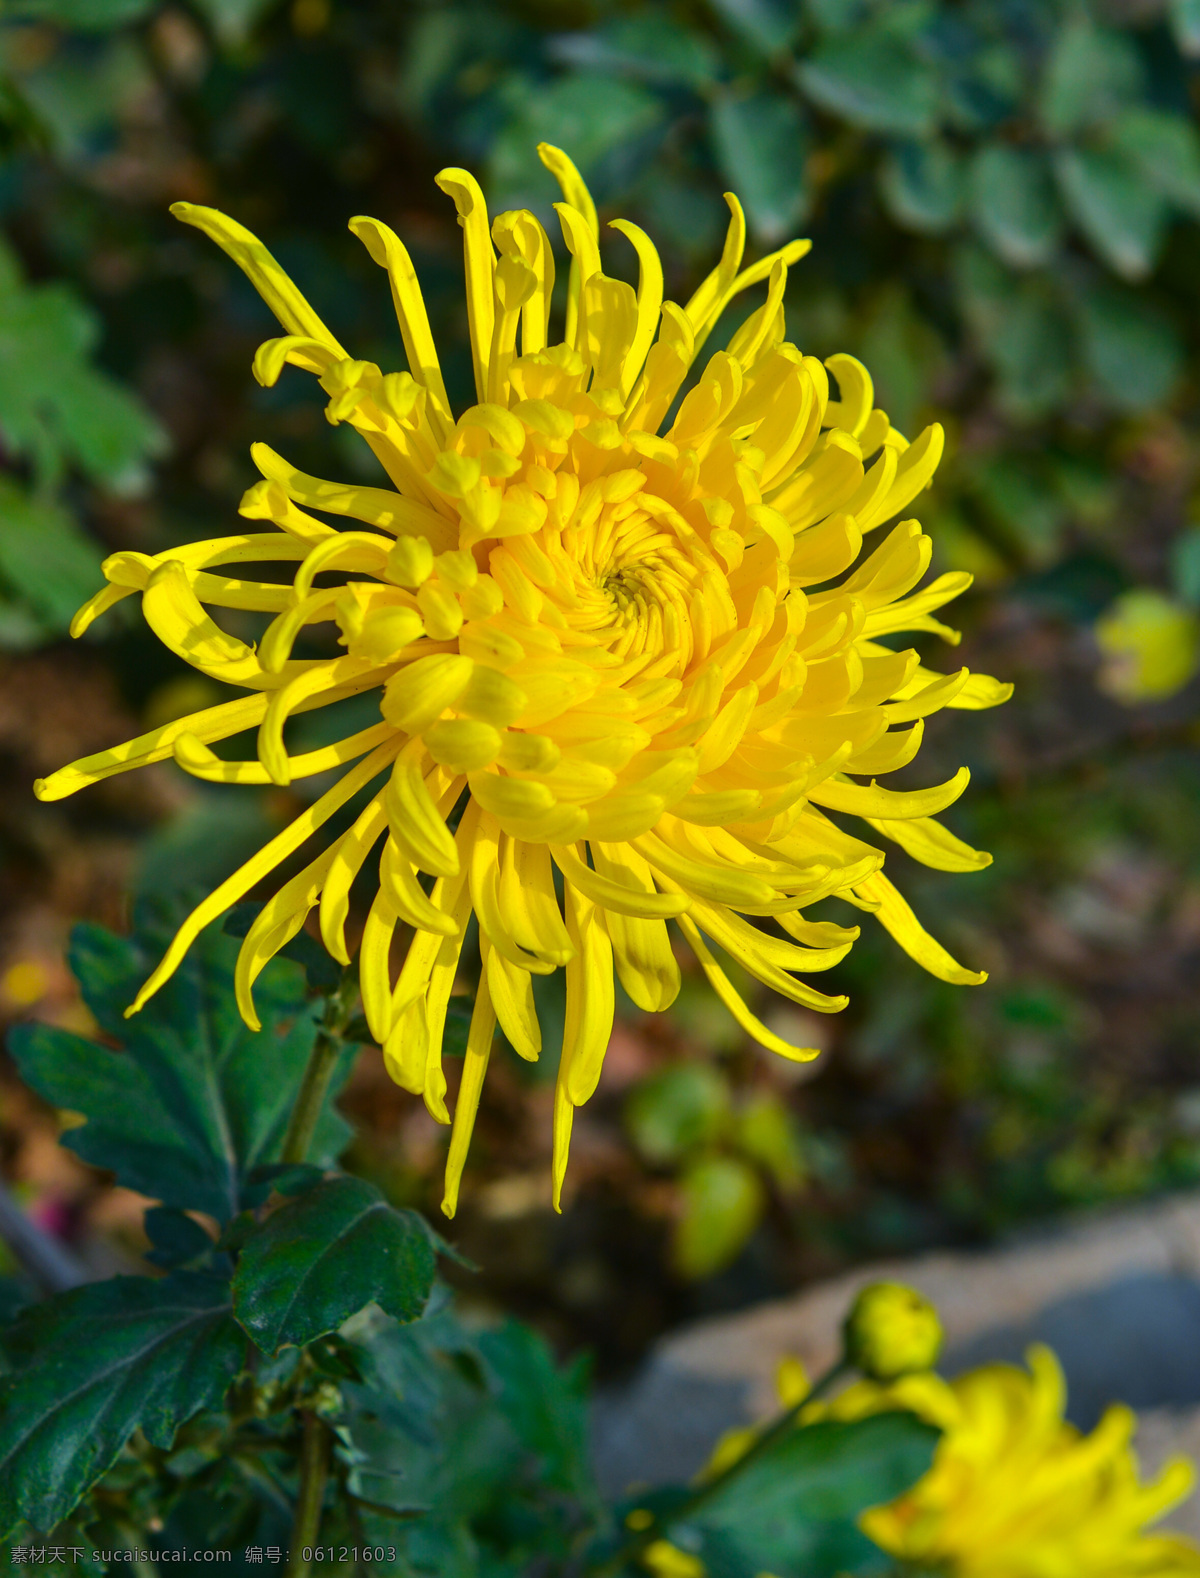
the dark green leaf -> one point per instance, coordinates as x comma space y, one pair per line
761, 146
922, 185
722, 1199
284, 1178
1166, 150
770, 25
45, 559
177, 1238
93, 1365
1014, 206
196, 1099
546, 1406
322, 1257
1131, 349
1091, 73
874, 82
1119, 212
792, 1513
679, 1108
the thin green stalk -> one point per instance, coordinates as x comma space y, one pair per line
302, 1124
705, 1492
314, 1471
322, 1061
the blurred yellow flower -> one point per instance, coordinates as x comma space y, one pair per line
643, 666
1015, 1491
1151, 647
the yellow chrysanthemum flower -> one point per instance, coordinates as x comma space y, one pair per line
633, 659
1015, 1491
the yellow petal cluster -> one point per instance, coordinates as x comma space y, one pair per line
1015, 1491
624, 674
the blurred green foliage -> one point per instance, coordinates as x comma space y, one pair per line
727, 1150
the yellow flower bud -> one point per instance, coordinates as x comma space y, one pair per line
891, 1330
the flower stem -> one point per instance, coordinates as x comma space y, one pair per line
314, 1470
705, 1492
322, 1061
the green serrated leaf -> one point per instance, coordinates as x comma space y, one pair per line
546, 1406
93, 1365
874, 82
321, 1258
723, 1200
1120, 213
195, 1100
922, 185
761, 146
793, 1512
1014, 206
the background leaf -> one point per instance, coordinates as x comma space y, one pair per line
721, 1202
768, 24
1014, 206
321, 1257
1091, 73
195, 1099
46, 560
792, 1513
922, 185
761, 145
1118, 211
93, 1365
677, 1110
1165, 148
874, 81
1132, 350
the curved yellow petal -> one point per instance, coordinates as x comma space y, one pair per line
260, 268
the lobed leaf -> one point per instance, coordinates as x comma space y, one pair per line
91, 1366
194, 1100
323, 1256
